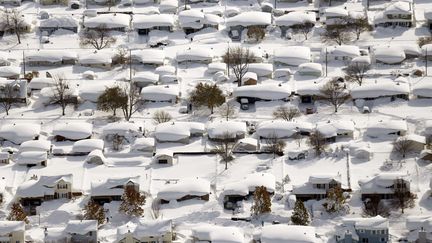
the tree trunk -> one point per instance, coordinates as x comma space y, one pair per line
18, 36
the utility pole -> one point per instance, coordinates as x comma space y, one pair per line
228, 57
326, 61
348, 168
426, 69
24, 64
130, 65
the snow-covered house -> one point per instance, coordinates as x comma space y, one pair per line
292, 56
419, 228
387, 127
50, 58
195, 55
143, 24
396, 13
287, 21
374, 229
152, 57
249, 94
164, 157
317, 187
237, 24
428, 18
12, 231
58, 23
384, 185
185, 189
53, 2
160, 93
423, 88
178, 131
114, 22
4, 158
193, 20
40, 83
341, 53
145, 144
381, 89
389, 54
73, 131
82, 231
215, 233
124, 129
143, 79
85, 146
96, 157
19, 133
148, 231
239, 190
13, 90
10, 72
288, 234
91, 90
278, 128
247, 145
100, 59
32, 158
112, 189
416, 142
335, 15
332, 130
37, 190
221, 129
310, 69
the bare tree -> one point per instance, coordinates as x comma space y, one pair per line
13, 21
8, 96
274, 145
117, 142
238, 59
227, 111
256, 33
424, 40
337, 33
335, 94
403, 146
359, 25
355, 72
225, 146
403, 198
318, 142
161, 116
133, 100
62, 94
209, 95
121, 57
286, 113
98, 37
303, 28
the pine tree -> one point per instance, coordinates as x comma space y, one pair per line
132, 202
93, 211
17, 213
262, 201
300, 215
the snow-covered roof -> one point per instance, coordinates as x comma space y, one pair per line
250, 19
191, 18
389, 54
110, 21
335, 12
64, 21
249, 183
41, 187
160, 93
278, 128
90, 91
7, 227
19, 133
9, 71
323, 178
220, 234
332, 129
417, 222
31, 157
310, 67
175, 131
73, 130
81, 227
218, 129
149, 56
423, 87
263, 91
40, 83
194, 54
50, 55
414, 138
380, 89
146, 77
143, 143
184, 187
35, 145
386, 127
374, 223
343, 51
154, 20
399, 7
261, 69
112, 186
88, 145
382, 183
121, 128
281, 233
295, 17
101, 57
155, 228
293, 55
97, 153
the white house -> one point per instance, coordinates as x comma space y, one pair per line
85, 146
143, 24
334, 15
185, 189
317, 186
112, 188
100, 59
389, 54
383, 185
375, 229
341, 53
396, 13
419, 228
145, 144
381, 89
81, 231
55, 23
50, 58
422, 88
164, 156
12, 231
19, 133
146, 231
310, 69
32, 158
332, 130
261, 92
277, 128
294, 18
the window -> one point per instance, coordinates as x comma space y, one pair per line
365, 240
383, 240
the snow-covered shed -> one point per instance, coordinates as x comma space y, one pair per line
50, 58
195, 55
19, 133
146, 231
216, 233
245, 20
32, 158
332, 130
143, 24
160, 93
52, 24
85, 146
383, 185
178, 131
389, 54
185, 189
153, 57
164, 156
262, 92
381, 89
387, 127
220, 129
100, 59
115, 21
293, 18
82, 230
278, 233
73, 131
310, 69
423, 88
317, 186
112, 189
292, 56
341, 53
12, 231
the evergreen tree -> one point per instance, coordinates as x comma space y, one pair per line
111, 99
300, 215
335, 200
17, 213
262, 201
93, 211
207, 95
132, 202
